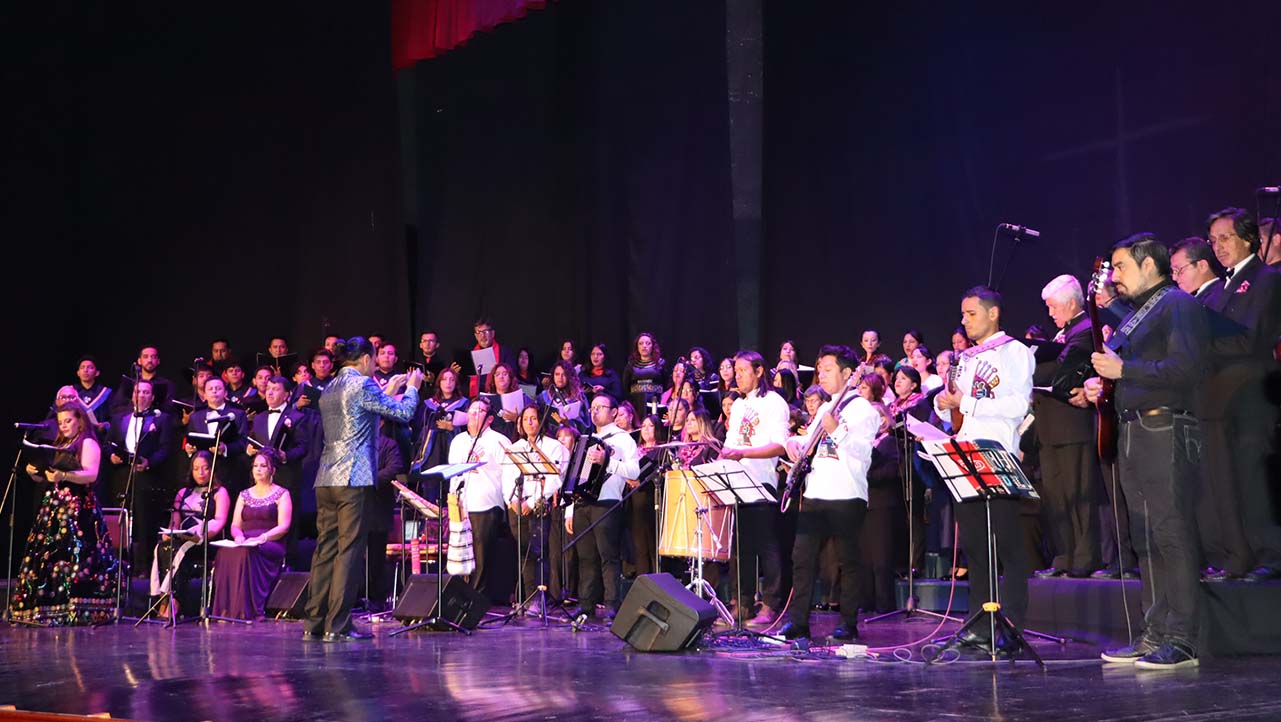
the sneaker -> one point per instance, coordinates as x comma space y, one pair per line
1131, 654
1171, 655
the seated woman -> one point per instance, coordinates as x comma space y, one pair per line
68, 575
178, 559
245, 574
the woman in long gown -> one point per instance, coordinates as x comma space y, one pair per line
68, 575
245, 574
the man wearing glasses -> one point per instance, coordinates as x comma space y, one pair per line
486, 340
1237, 419
1194, 267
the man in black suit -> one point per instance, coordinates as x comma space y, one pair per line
219, 415
1237, 419
147, 367
1069, 457
281, 430
1223, 543
145, 435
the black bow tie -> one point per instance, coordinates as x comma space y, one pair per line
275, 411
1227, 275
142, 414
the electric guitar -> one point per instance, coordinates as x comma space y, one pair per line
795, 484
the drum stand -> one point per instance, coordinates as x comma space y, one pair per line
697, 584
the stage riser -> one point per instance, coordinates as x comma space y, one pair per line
1235, 618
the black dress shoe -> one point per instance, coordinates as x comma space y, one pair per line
1049, 573
844, 633
794, 631
312, 637
353, 635
1106, 573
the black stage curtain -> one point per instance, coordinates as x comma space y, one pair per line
181, 173
899, 136
574, 181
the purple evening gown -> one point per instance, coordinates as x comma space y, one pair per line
244, 576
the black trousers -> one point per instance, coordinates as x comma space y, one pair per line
486, 529
822, 519
563, 564
599, 562
757, 544
1069, 497
1158, 463
152, 503
376, 560
533, 534
1007, 527
640, 521
336, 566
882, 525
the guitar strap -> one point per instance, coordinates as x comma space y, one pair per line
1132, 322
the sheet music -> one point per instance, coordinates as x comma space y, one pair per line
514, 401
484, 361
924, 431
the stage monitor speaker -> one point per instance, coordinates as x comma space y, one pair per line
659, 615
464, 606
288, 600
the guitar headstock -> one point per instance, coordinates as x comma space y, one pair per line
1101, 275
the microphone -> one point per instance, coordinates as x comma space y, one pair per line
1020, 230
211, 418
28, 427
1268, 191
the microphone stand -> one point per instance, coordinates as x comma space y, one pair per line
13, 506
1015, 239
205, 591
907, 466
125, 593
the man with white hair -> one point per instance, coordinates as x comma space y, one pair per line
1069, 460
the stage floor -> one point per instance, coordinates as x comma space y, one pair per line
522, 671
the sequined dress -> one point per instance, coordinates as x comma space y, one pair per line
68, 574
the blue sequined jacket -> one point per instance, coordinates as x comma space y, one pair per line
349, 410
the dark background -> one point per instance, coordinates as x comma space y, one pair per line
178, 173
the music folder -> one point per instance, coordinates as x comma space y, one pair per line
201, 441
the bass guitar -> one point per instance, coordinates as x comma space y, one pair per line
1105, 407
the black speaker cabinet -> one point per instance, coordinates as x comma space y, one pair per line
464, 606
288, 599
659, 615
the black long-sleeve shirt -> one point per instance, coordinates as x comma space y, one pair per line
1165, 357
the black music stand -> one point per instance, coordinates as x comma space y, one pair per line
531, 464
729, 484
912, 432
980, 471
439, 623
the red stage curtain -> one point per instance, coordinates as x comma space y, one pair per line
422, 29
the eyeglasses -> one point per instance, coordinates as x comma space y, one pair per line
1177, 271
484, 331
1220, 240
